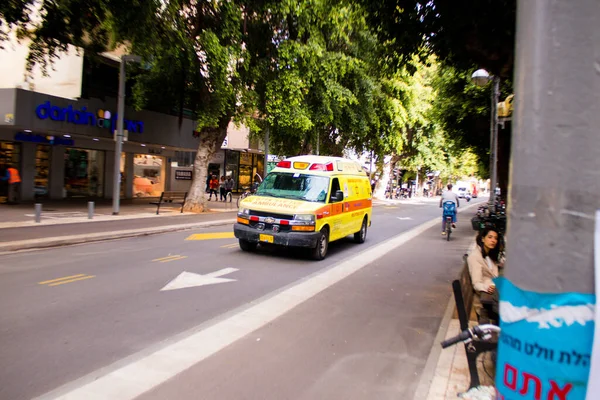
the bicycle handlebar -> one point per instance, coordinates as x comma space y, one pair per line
481, 332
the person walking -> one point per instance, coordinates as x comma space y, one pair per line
229, 188
214, 185
222, 188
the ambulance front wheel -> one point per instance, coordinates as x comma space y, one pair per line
246, 245
361, 236
320, 251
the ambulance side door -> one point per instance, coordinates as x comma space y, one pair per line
336, 218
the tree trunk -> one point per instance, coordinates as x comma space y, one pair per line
209, 144
389, 163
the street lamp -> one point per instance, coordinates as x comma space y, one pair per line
119, 135
481, 78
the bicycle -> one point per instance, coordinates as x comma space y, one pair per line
247, 192
474, 338
228, 196
480, 332
448, 216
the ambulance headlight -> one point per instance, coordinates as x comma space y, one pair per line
304, 219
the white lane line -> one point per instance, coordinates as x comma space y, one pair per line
133, 379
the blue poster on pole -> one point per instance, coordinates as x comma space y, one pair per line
545, 345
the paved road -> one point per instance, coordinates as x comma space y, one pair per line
70, 311
46, 231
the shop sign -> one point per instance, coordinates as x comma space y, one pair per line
101, 119
182, 175
52, 140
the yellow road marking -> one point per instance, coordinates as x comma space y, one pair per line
230, 246
73, 280
208, 236
173, 259
166, 258
60, 279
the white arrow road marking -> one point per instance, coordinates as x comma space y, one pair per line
404, 218
190, 279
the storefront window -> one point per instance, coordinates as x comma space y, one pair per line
185, 158
245, 177
149, 175
42, 171
259, 162
123, 175
10, 154
231, 168
84, 173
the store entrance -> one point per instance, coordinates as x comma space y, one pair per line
84, 173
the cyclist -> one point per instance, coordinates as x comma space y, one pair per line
450, 203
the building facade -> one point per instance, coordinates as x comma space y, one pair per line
64, 148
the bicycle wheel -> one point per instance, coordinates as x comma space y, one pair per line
448, 228
242, 197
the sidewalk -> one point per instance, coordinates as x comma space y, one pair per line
449, 375
66, 222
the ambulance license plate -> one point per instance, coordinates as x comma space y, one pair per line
266, 238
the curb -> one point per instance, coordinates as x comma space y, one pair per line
6, 248
428, 374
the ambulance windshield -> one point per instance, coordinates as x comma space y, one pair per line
295, 186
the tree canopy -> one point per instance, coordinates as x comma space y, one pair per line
330, 74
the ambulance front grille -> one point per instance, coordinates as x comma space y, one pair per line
271, 214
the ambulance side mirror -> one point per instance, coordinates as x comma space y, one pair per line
339, 196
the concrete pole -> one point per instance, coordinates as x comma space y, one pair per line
318, 150
119, 140
494, 139
554, 178
266, 165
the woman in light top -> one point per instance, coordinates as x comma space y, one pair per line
483, 261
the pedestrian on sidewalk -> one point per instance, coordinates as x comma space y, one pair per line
14, 184
222, 188
214, 185
229, 187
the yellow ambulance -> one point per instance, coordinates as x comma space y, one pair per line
307, 201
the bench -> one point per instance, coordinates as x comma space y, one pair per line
464, 297
170, 198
